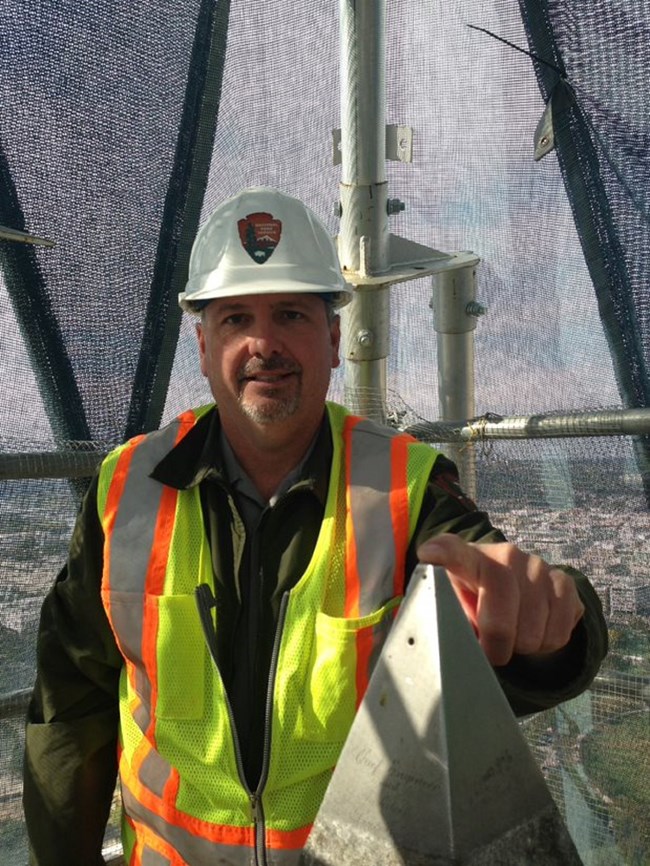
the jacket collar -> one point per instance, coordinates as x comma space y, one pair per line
198, 456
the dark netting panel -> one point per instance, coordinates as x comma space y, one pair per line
92, 99
97, 152
474, 185
602, 50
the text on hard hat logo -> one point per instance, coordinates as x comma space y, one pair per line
260, 234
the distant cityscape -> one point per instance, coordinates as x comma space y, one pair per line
614, 554
605, 532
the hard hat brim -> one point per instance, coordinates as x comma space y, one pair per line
253, 281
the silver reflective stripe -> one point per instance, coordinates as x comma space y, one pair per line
131, 545
142, 715
153, 858
193, 849
277, 857
371, 518
379, 635
135, 522
154, 773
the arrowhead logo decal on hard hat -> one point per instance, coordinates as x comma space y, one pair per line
260, 234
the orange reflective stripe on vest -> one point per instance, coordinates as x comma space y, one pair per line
138, 549
377, 495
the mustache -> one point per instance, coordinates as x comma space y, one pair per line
269, 365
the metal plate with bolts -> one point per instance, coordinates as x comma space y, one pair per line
399, 144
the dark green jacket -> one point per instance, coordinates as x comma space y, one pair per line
70, 765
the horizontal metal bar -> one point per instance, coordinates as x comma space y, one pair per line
14, 703
621, 422
50, 464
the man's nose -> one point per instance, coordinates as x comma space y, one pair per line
264, 340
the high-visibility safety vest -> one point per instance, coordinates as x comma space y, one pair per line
184, 793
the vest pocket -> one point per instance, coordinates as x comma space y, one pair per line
343, 655
180, 655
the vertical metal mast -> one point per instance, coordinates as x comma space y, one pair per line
455, 313
364, 237
372, 258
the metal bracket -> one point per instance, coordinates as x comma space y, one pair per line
399, 144
409, 261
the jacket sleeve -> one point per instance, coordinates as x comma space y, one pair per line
530, 684
71, 736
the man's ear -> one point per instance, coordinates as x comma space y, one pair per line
335, 335
200, 336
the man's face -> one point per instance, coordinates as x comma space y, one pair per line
268, 358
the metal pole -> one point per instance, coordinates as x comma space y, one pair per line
615, 422
51, 464
364, 235
14, 703
455, 314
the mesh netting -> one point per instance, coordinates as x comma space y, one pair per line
580, 503
106, 147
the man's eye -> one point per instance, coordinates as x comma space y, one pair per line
234, 319
293, 314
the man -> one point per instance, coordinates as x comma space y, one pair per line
232, 578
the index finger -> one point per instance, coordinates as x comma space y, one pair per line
473, 572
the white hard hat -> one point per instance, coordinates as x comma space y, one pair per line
262, 242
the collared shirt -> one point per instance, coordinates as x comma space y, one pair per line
249, 500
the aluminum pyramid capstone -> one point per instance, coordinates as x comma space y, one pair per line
435, 770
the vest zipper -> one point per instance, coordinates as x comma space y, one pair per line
256, 798
258, 824
205, 602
